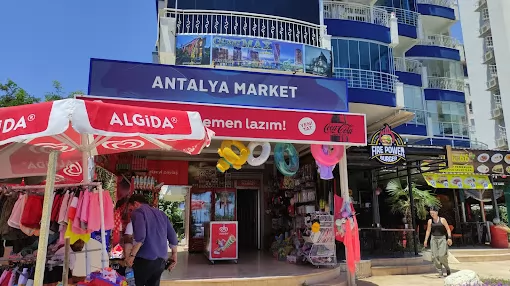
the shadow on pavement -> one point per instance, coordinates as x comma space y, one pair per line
365, 283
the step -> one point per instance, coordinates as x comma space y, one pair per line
337, 281
483, 257
423, 268
479, 251
397, 261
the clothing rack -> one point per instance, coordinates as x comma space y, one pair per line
34, 187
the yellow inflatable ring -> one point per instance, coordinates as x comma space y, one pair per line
234, 159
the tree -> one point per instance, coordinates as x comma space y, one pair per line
13, 95
59, 93
400, 203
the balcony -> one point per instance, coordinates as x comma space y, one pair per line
442, 3
367, 79
445, 83
408, 65
440, 41
420, 116
475, 144
356, 12
493, 70
452, 129
485, 29
501, 139
480, 4
405, 17
243, 24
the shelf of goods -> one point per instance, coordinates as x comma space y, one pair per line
323, 251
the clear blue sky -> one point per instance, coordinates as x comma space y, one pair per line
44, 41
51, 40
457, 31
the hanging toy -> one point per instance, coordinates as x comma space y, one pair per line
287, 169
316, 227
229, 158
325, 172
328, 156
262, 158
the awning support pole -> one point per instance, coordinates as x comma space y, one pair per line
413, 208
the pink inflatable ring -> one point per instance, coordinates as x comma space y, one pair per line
331, 158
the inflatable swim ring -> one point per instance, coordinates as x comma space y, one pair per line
262, 158
290, 168
330, 158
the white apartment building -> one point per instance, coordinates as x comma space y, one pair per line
487, 49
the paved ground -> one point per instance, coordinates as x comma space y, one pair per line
497, 269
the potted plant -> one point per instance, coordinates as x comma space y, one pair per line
400, 202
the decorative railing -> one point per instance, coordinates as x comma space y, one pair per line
408, 65
445, 83
366, 79
440, 41
493, 70
403, 16
475, 144
246, 25
444, 3
356, 12
489, 44
452, 129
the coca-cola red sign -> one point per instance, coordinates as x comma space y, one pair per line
339, 129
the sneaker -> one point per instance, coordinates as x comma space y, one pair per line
448, 272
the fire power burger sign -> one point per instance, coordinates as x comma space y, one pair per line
387, 147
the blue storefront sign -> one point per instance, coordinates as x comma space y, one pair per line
215, 86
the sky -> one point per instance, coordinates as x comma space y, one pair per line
44, 41
457, 31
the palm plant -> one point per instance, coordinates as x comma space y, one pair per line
400, 203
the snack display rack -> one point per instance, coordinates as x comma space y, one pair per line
323, 251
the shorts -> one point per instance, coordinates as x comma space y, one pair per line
32, 213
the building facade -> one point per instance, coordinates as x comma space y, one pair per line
402, 66
486, 38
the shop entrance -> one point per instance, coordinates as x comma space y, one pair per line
247, 219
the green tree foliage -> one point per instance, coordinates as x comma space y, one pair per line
174, 213
400, 202
13, 95
58, 92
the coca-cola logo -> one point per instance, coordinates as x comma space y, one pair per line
338, 129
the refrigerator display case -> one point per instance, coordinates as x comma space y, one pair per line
221, 241
208, 205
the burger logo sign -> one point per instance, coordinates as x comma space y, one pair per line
387, 147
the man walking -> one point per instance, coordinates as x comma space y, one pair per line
152, 231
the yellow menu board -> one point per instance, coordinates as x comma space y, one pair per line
458, 181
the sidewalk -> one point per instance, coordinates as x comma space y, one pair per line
497, 269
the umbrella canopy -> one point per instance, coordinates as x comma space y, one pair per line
79, 129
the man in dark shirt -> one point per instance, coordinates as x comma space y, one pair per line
152, 232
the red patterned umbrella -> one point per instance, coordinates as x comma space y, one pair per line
80, 129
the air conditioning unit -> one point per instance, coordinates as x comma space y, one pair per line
489, 56
501, 142
493, 82
497, 112
484, 28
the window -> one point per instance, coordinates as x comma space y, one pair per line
449, 118
362, 55
402, 4
444, 68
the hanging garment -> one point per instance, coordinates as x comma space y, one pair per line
6, 212
55, 208
76, 223
17, 211
32, 212
71, 213
84, 211
2, 277
63, 209
7, 278
94, 219
23, 277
